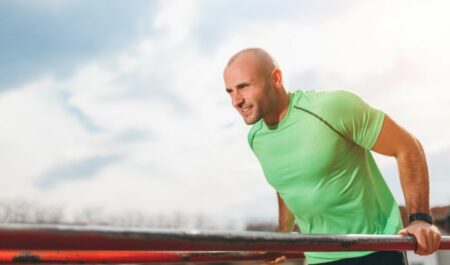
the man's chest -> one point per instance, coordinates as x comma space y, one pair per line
302, 152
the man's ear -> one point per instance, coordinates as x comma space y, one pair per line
277, 77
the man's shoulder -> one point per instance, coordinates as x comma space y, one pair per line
327, 96
339, 100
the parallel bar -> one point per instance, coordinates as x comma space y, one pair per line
120, 257
46, 237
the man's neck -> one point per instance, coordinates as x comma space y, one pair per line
280, 110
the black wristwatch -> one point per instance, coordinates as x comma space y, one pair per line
421, 217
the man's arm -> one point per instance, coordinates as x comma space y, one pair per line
286, 219
395, 141
286, 222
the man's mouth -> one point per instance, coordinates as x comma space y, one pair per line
245, 110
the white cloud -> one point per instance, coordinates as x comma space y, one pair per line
35, 133
175, 19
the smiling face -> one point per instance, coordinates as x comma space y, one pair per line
248, 82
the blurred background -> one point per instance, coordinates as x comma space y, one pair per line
114, 112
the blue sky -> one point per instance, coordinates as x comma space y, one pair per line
121, 104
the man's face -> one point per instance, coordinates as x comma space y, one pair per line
249, 89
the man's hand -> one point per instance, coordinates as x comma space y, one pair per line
428, 236
279, 260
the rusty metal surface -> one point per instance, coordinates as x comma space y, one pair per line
66, 237
121, 257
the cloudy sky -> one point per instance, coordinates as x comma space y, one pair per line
121, 104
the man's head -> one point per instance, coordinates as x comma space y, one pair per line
254, 83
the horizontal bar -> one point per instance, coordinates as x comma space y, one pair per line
120, 257
66, 237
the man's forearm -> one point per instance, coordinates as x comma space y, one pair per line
286, 219
415, 185
414, 179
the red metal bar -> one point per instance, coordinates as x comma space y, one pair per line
45, 237
111, 257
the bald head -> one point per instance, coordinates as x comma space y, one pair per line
257, 58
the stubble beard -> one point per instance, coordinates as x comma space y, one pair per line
254, 117
260, 108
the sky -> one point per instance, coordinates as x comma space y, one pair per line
121, 105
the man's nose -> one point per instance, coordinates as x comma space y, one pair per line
237, 100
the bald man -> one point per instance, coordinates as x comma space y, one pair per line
315, 150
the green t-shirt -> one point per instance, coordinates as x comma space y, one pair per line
318, 159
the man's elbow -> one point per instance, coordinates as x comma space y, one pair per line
410, 148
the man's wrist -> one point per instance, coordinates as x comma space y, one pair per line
421, 217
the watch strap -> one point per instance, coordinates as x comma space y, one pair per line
421, 217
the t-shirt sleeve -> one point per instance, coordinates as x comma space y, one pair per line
355, 119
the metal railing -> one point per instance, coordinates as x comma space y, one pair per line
97, 244
120, 257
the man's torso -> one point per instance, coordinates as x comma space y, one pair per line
318, 158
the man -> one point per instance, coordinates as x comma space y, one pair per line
314, 148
